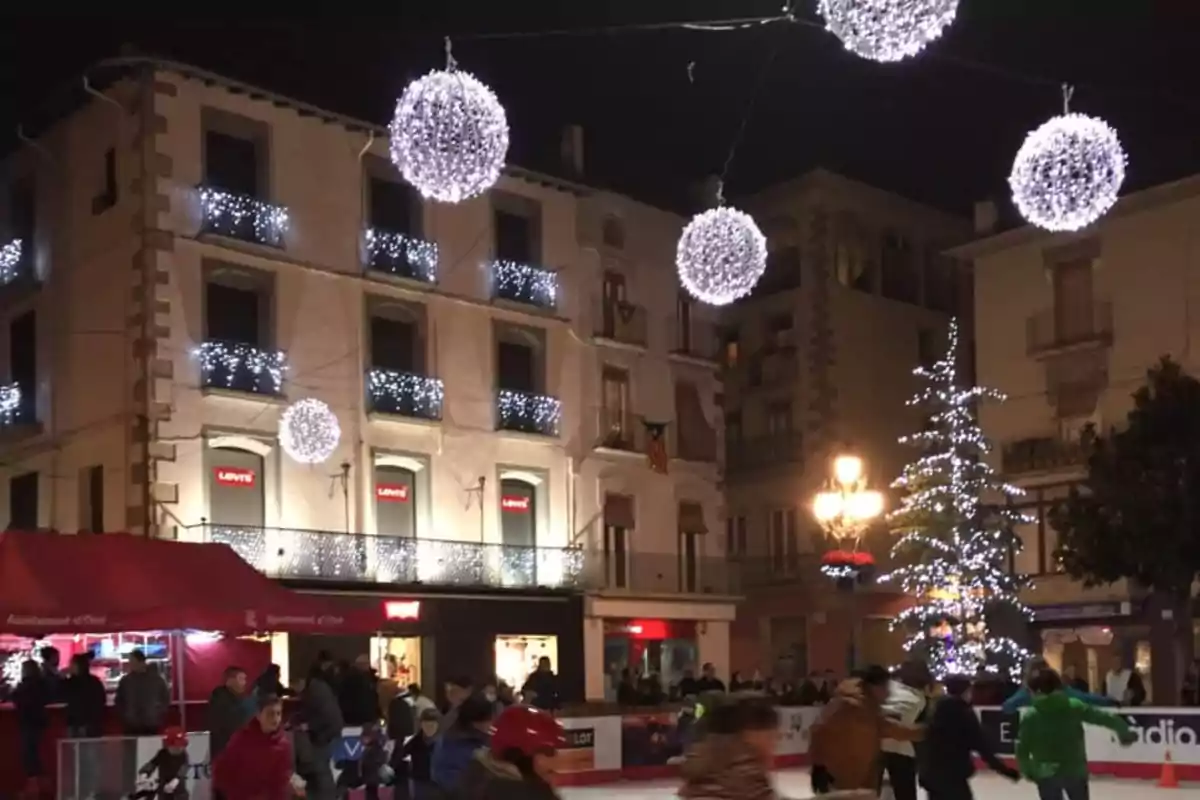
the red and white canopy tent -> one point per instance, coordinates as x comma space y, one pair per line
116, 583
112, 583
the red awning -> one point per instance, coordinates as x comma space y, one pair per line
53, 583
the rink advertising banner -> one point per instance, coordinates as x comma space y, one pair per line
578, 753
999, 730
651, 740
794, 725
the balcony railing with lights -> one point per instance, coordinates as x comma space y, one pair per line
522, 283
401, 255
240, 216
10, 404
404, 394
527, 412
14, 262
241, 367
362, 558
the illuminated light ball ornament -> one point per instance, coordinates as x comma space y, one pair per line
449, 137
720, 256
1068, 172
309, 431
887, 30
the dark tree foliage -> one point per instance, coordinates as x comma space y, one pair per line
1137, 514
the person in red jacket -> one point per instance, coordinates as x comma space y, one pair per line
257, 764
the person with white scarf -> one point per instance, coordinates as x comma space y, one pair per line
1124, 686
905, 703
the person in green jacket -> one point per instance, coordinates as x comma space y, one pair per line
1050, 746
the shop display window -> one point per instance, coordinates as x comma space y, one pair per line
518, 656
651, 647
397, 659
110, 653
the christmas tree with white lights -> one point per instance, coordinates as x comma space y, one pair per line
956, 535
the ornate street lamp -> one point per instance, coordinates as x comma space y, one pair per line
846, 510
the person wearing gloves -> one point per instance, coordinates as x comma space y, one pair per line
518, 763
169, 766
905, 702
1051, 750
952, 738
1023, 698
845, 739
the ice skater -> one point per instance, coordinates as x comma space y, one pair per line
1051, 750
1022, 698
952, 737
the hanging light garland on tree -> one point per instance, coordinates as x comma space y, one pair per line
1068, 172
449, 136
887, 30
956, 550
309, 431
721, 255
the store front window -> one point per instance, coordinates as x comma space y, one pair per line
110, 654
235, 488
517, 657
397, 660
651, 646
395, 501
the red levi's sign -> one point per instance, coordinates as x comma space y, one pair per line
234, 476
391, 492
513, 502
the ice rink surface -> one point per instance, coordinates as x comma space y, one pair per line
793, 784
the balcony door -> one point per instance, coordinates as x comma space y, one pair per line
614, 297
235, 489
1073, 300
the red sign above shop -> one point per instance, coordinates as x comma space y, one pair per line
514, 502
234, 476
391, 492
402, 609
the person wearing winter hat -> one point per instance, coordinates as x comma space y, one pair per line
519, 763
169, 766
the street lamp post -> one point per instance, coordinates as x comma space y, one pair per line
846, 509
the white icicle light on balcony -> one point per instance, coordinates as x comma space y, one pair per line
529, 284
232, 357
543, 411
398, 248
270, 221
720, 256
10, 261
309, 431
887, 30
426, 393
1068, 172
449, 136
10, 402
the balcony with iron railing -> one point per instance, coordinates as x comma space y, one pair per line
696, 340
1052, 330
660, 573
404, 394
757, 453
237, 367
242, 217
1043, 454
527, 412
525, 284
295, 554
400, 255
622, 323
619, 430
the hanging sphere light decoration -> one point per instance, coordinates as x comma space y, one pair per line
1068, 172
720, 256
887, 30
449, 135
309, 431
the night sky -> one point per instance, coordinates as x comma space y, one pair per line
942, 128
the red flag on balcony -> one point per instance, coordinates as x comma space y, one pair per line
656, 446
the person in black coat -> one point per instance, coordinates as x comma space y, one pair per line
952, 736
30, 699
86, 699
358, 694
